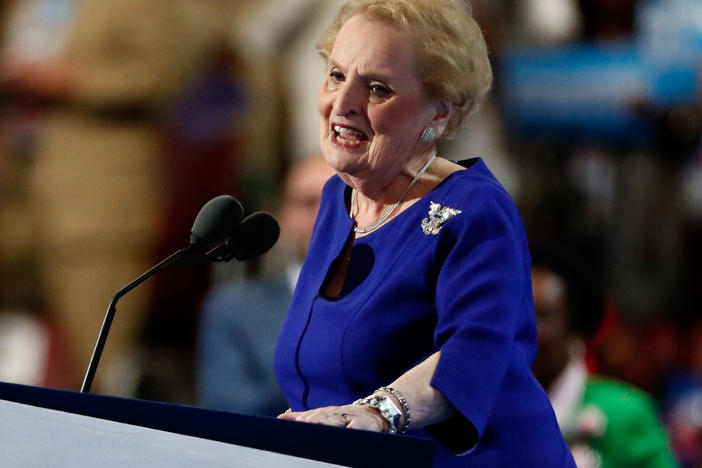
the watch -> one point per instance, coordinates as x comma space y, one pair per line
387, 408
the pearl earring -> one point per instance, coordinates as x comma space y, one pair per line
428, 135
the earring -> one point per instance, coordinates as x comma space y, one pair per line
428, 135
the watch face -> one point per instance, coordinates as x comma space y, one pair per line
388, 410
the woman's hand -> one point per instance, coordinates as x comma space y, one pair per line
352, 416
427, 404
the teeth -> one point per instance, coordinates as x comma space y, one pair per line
348, 141
348, 136
348, 132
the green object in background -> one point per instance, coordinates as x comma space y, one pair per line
630, 435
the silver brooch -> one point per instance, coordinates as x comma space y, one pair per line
438, 215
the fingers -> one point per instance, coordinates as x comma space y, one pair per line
331, 416
345, 418
367, 419
351, 416
315, 415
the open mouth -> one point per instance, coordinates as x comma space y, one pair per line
347, 136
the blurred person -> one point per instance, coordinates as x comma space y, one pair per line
103, 73
682, 399
413, 309
607, 423
240, 321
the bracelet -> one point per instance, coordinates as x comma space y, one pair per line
386, 407
404, 404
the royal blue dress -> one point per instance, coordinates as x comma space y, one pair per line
421, 283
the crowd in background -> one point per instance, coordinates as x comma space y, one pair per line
118, 120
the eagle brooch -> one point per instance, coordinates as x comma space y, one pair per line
438, 215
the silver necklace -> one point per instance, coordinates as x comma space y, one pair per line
382, 219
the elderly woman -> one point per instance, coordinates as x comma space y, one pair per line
413, 312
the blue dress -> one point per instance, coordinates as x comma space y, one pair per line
463, 288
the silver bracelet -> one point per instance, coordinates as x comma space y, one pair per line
404, 404
386, 407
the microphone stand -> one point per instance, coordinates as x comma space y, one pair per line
112, 308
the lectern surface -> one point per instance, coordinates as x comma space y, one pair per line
33, 437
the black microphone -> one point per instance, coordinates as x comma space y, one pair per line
215, 222
255, 236
213, 225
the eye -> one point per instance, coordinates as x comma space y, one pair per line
379, 90
336, 76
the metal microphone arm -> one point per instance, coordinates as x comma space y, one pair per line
112, 308
215, 222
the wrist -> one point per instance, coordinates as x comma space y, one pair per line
391, 405
389, 411
401, 402
374, 413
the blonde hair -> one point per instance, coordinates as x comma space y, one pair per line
452, 57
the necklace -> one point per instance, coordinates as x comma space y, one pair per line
382, 219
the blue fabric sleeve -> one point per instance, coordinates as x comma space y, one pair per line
482, 297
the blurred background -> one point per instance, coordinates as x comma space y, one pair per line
118, 120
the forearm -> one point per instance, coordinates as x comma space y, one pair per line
427, 405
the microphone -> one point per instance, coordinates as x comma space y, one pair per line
255, 236
213, 226
217, 219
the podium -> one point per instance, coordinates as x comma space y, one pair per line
41, 427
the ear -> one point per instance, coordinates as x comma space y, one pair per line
442, 115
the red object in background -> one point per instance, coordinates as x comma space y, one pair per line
608, 325
640, 354
55, 376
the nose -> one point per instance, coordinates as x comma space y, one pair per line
348, 100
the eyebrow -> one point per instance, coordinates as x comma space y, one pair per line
370, 77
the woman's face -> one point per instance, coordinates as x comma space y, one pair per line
372, 104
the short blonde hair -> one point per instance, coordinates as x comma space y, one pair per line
452, 57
